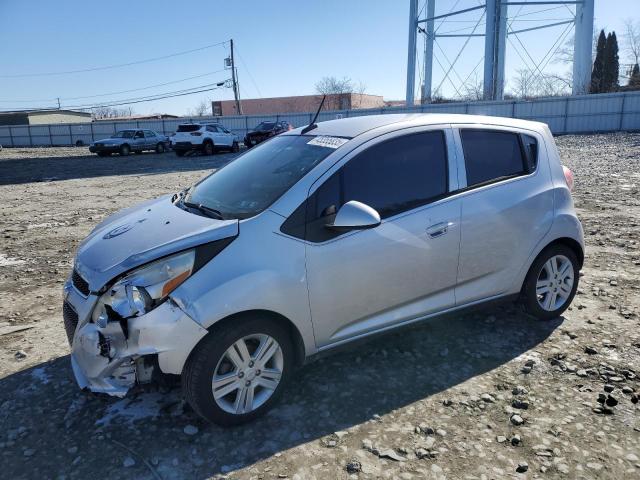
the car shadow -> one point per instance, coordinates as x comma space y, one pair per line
51, 169
51, 429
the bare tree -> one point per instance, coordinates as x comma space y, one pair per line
201, 109
338, 92
530, 84
473, 89
111, 112
632, 39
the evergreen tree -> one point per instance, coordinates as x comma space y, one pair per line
634, 79
611, 64
597, 74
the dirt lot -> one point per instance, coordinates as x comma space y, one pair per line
482, 396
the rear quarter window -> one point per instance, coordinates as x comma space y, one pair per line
491, 155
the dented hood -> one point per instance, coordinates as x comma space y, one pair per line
141, 234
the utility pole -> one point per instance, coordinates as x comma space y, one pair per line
234, 77
58, 103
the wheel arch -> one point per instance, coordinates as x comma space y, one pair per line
568, 242
295, 335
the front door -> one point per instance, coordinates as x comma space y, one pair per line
405, 268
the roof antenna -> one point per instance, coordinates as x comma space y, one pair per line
313, 125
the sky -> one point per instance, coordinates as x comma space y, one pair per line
282, 47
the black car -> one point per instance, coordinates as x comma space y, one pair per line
266, 130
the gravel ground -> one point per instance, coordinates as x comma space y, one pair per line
491, 394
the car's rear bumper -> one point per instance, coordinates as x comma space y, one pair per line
185, 146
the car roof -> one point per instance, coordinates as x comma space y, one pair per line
354, 126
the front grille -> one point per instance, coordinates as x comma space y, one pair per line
70, 320
80, 283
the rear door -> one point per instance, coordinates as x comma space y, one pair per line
507, 207
366, 280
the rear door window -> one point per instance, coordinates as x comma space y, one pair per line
491, 155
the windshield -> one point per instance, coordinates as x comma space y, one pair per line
123, 134
253, 181
265, 126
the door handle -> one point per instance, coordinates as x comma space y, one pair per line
437, 230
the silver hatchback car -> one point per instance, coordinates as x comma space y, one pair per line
315, 238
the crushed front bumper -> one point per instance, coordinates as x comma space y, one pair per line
112, 359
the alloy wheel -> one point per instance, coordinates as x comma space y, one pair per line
555, 282
248, 374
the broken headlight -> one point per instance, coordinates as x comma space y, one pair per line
144, 288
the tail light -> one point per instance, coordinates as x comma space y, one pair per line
196, 134
568, 176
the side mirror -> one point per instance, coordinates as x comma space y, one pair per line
355, 215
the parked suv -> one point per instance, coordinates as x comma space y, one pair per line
132, 140
316, 238
264, 131
203, 137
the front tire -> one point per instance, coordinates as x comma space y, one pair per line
237, 372
180, 153
551, 283
160, 148
235, 148
125, 150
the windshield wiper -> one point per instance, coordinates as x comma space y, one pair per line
208, 211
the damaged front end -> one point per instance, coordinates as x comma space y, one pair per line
122, 333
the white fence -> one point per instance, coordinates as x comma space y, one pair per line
607, 112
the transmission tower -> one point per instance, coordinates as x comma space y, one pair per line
495, 37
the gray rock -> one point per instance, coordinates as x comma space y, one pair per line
391, 454
501, 439
485, 397
128, 462
517, 419
519, 390
516, 440
20, 355
609, 388
190, 430
590, 350
354, 466
522, 467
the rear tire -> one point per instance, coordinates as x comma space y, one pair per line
207, 147
551, 283
125, 150
212, 358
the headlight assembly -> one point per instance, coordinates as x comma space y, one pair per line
141, 290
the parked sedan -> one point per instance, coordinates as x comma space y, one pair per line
265, 130
126, 141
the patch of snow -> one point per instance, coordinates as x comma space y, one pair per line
146, 405
41, 375
6, 261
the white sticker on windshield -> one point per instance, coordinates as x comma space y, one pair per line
326, 141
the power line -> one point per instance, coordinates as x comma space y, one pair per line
108, 67
117, 93
149, 98
248, 72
